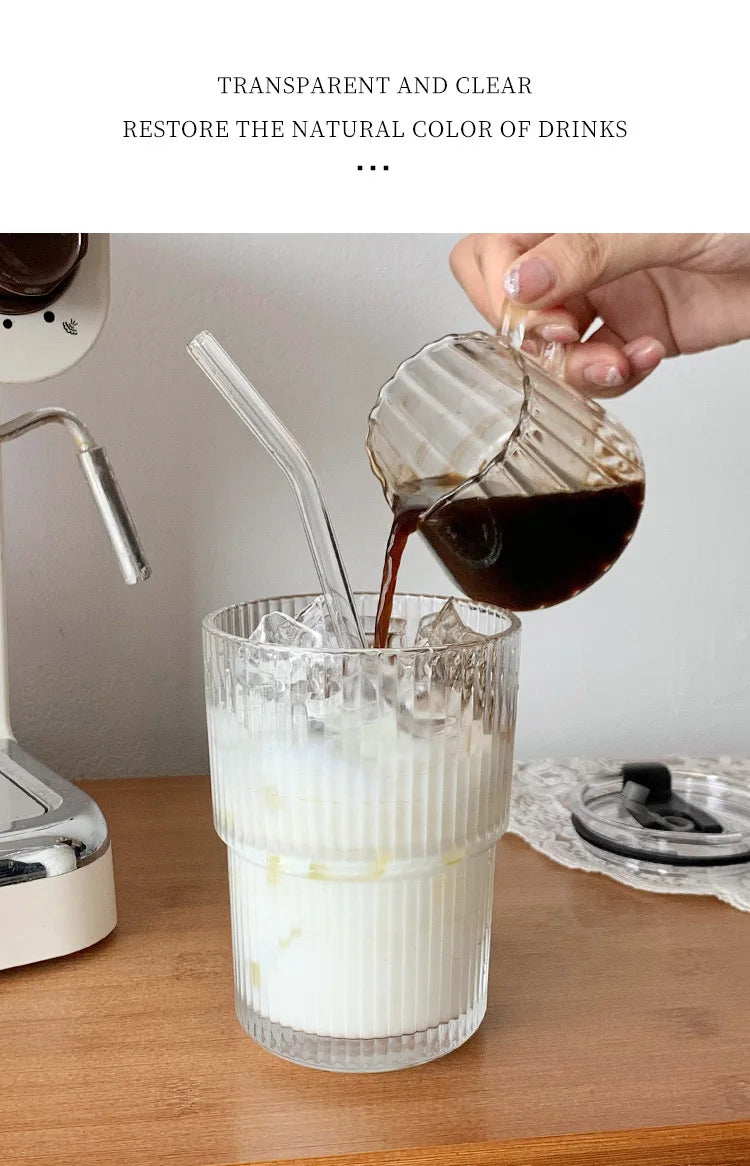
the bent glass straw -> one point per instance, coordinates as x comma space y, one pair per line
260, 418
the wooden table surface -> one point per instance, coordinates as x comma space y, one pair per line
612, 1015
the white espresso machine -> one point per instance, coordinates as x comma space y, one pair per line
57, 891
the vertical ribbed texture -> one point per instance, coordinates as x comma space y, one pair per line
361, 959
455, 407
361, 796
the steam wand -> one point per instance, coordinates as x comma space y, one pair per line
102, 482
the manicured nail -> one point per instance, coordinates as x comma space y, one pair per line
529, 280
559, 333
644, 355
605, 375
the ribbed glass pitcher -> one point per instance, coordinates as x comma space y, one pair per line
525, 489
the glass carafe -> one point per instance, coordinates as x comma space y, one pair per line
525, 489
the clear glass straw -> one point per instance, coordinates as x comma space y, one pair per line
251, 408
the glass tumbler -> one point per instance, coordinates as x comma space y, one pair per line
360, 794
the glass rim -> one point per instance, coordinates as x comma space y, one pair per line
208, 624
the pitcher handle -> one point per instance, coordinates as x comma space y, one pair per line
512, 328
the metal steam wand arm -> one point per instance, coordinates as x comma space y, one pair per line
102, 483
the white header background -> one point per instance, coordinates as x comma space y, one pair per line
72, 74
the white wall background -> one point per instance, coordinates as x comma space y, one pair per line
106, 680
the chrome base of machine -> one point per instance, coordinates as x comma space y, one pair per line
57, 890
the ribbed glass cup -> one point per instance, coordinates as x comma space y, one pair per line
360, 794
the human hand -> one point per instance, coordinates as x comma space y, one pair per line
658, 295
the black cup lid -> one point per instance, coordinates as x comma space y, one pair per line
648, 813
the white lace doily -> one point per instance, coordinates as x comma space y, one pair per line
540, 814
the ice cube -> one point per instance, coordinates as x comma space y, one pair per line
421, 709
323, 692
331, 683
396, 632
264, 676
434, 701
282, 631
445, 629
316, 617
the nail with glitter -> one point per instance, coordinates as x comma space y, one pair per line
530, 279
512, 283
605, 375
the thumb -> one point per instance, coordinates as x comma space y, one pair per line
568, 265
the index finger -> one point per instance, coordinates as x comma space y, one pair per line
479, 263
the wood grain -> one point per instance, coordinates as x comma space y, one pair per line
708, 1145
612, 1014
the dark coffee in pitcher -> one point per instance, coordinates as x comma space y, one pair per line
515, 551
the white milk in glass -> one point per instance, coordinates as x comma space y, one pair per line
361, 866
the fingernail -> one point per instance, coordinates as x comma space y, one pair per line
605, 375
529, 280
559, 333
644, 354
